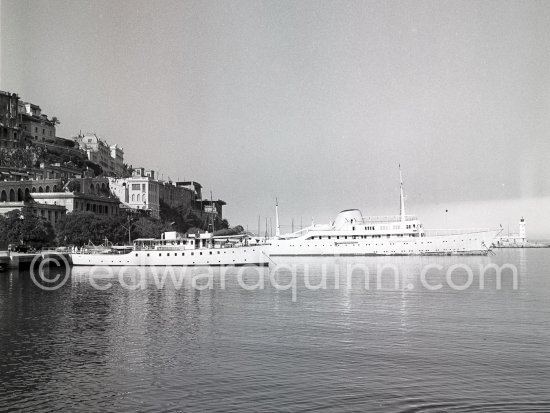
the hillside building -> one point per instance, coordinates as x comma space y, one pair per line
213, 207
52, 198
52, 212
109, 157
76, 201
176, 196
140, 191
10, 133
35, 125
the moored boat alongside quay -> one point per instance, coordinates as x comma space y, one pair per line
177, 250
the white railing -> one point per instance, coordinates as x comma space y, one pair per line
388, 218
459, 231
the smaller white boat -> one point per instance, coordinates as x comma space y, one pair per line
178, 250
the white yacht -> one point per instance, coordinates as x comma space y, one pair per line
178, 250
353, 234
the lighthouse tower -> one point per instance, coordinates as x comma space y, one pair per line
522, 233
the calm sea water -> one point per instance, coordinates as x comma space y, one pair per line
184, 348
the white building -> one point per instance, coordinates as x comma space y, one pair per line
110, 158
141, 191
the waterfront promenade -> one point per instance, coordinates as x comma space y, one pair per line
9, 259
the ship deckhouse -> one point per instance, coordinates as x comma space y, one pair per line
350, 224
387, 225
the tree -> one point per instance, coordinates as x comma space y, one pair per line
126, 170
17, 157
222, 224
230, 231
74, 185
75, 228
192, 221
80, 227
146, 227
25, 227
182, 217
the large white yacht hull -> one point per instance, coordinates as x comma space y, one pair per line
474, 243
253, 255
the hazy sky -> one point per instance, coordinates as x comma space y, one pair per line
315, 102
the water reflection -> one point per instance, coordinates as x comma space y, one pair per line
361, 348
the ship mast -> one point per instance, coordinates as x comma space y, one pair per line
212, 212
402, 197
277, 227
